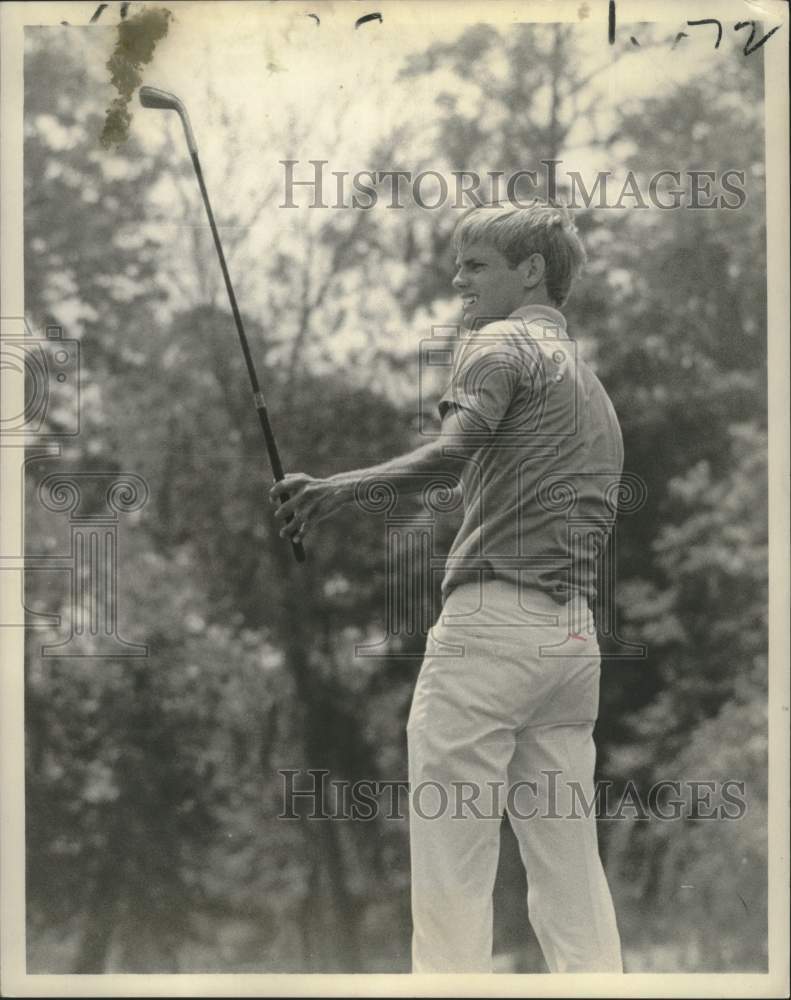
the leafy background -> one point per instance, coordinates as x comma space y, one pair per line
153, 843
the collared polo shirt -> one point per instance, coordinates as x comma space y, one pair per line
540, 488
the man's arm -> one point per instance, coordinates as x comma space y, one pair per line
312, 500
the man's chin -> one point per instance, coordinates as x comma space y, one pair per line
472, 318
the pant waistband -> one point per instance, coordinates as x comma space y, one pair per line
498, 602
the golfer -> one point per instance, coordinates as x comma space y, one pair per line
505, 704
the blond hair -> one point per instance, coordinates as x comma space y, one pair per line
543, 227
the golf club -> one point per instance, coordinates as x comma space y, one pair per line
151, 97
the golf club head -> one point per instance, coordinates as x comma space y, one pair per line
151, 97
161, 100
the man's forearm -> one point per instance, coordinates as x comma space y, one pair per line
302, 501
406, 473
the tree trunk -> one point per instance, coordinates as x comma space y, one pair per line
94, 947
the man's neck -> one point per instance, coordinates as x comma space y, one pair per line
536, 297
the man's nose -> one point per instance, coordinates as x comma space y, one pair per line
459, 282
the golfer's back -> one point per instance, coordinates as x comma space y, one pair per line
539, 493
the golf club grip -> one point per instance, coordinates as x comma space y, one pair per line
277, 469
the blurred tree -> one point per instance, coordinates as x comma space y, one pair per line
714, 668
104, 833
507, 102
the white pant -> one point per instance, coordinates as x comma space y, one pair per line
514, 711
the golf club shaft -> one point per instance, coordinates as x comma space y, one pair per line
258, 396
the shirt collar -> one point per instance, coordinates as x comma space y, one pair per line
552, 319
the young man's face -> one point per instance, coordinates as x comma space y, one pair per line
489, 288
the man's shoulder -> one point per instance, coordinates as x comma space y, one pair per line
530, 327
510, 337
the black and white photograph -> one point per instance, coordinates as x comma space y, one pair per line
395, 525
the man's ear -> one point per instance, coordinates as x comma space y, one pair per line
532, 270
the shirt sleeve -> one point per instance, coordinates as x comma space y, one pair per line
486, 375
